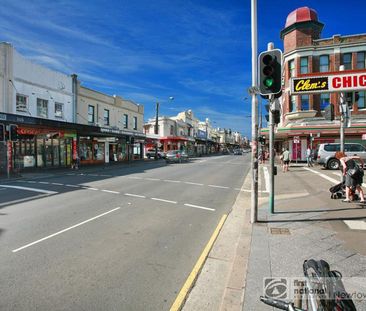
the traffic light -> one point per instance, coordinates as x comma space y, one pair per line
262, 140
270, 72
276, 116
329, 112
13, 134
2, 132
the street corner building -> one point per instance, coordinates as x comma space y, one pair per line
312, 81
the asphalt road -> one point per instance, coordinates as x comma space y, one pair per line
117, 239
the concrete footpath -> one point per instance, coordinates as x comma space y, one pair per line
306, 224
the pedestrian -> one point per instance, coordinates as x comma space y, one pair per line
353, 175
286, 160
309, 157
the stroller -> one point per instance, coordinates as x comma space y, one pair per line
339, 191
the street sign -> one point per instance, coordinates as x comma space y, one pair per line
296, 139
341, 81
363, 136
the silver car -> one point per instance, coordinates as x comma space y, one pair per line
177, 156
326, 153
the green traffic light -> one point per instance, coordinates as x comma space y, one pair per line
268, 82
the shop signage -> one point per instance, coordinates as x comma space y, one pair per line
10, 156
329, 82
363, 136
296, 139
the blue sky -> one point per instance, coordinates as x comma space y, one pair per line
148, 50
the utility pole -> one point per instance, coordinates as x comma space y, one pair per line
253, 93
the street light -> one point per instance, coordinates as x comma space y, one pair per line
157, 126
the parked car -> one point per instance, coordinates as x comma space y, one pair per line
238, 152
326, 153
177, 156
150, 153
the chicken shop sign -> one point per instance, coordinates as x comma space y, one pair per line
329, 82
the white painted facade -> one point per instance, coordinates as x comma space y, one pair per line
20, 76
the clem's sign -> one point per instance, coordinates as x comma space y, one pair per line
329, 82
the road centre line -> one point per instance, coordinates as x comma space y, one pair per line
64, 230
215, 186
31, 182
193, 183
29, 189
200, 207
91, 188
56, 184
135, 195
152, 179
134, 177
163, 200
111, 191
44, 182
173, 181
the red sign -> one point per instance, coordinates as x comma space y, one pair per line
74, 149
37, 131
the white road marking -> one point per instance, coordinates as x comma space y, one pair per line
111, 191
356, 224
64, 230
135, 195
2, 189
215, 186
105, 175
248, 190
56, 184
152, 179
31, 182
200, 207
266, 177
29, 189
91, 188
323, 175
336, 173
44, 182
71, 174
73, 186
134, 177
193, 183
174, 181
162, 200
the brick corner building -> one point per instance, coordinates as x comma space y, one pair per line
305, 52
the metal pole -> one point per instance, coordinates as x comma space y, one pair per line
270, 47
156, 129
342, 103
254, 159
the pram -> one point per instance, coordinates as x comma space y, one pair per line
339, 191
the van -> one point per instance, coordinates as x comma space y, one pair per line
326, 153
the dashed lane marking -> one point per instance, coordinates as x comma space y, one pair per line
152, 179
56, 184
215, 186
172, 181
110, 191
163, 200
200, 207
193, 183
135, 195
44, 182
64, 230
73, 186
29, 189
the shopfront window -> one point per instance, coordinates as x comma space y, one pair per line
98, 152
85, 150
40, 153
48, 150
56, 151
